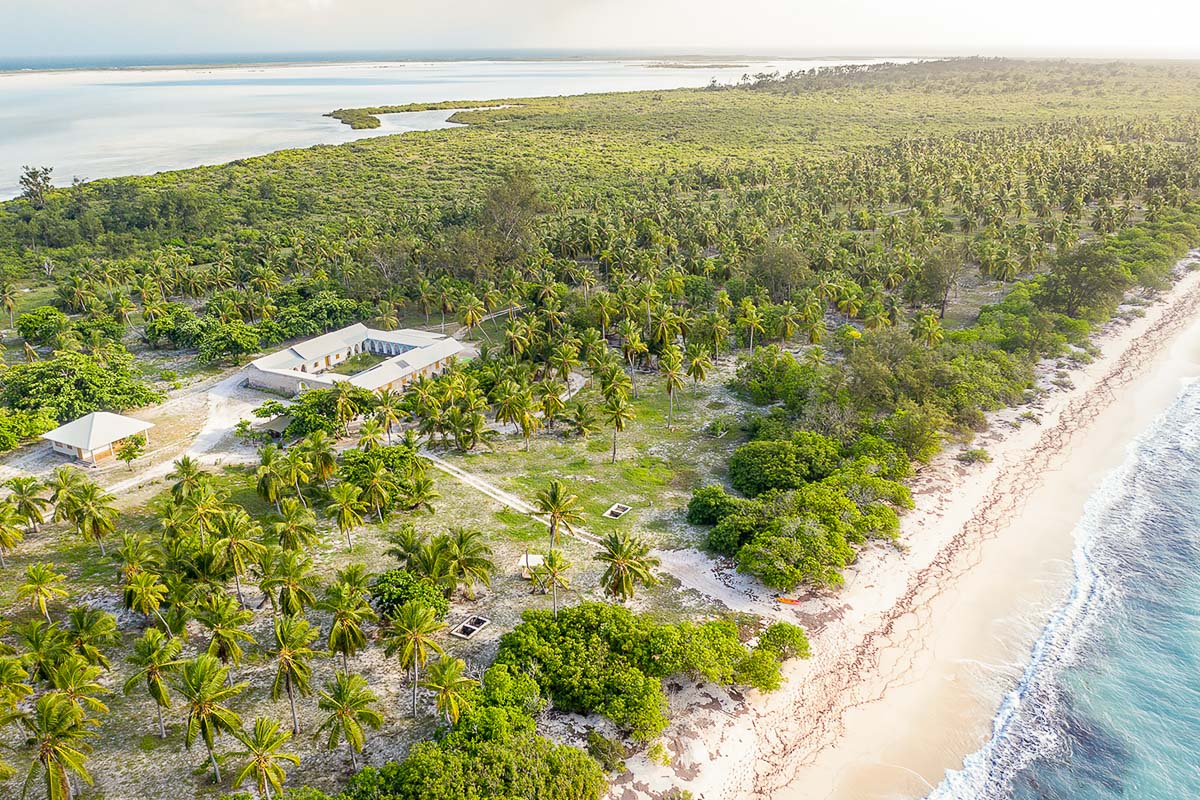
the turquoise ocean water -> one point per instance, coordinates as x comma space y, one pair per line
1109, 706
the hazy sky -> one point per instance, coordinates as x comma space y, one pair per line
54, 28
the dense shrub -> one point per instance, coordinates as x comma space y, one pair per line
392, 589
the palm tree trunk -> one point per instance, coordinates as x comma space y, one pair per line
614, 452
414, 688
554, 596
162, 727
267, 786
353, 759
3, 564
100, 542
670, 408
291, 692
237, 582
212, 757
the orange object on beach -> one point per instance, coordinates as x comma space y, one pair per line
791, 601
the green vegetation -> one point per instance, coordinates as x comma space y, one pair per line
886, 253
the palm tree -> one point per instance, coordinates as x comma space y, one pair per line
10, 529
271, 474
551, 574
264, 759
75, 678
378, 488
627, 563
346, 506
224, 619
297, 471
410, 636
296, 527
928, 330
350, 705
583, 419
318, 449
27, 498
560, 507
94, 514
468, 559
618, 412
187, 476
671, 366
350, 611
203, 682
41, 586
64, 484
293, 673
289, 584
699, 363
88, 630
751, 320
145, 594
450, 686
370, 435
388, 411
58, 733
14, 685
237, 544
156, 657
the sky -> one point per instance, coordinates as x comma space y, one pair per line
45, 29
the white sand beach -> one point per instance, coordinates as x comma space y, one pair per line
912, 657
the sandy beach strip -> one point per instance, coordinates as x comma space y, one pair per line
912, 657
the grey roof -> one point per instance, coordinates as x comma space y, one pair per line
97, 430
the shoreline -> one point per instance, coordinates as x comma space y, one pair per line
914, 655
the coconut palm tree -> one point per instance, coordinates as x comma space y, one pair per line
155, 657
350, 612
289, 582
205, 688
272, 474
388, 410
10, 529
27, 498
928, 330
58, 733
560, 507
378, 488
296, 527
224, 620
318, 449
627, 562
409, 636
94, 514
186, 477
618, 412
451, 687
551, 575
346, 506
350, 707
751, 320
293, 672
468, 559
237, 544
418, 493
370, 435
670, 364
144, 594
699, 364
77, 680
90, 629
41, 586
264, 761
64, 484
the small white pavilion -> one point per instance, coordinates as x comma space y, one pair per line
96, 437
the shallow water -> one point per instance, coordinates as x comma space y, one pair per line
1109, 706
106, 123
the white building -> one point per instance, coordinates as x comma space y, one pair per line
306, 365
96, 437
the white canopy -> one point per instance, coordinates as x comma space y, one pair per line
97, 430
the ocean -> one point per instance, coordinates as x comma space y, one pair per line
1109, 705
101, 123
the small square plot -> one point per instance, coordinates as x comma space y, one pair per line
617, 511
